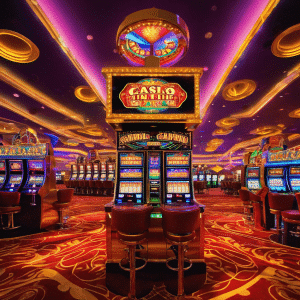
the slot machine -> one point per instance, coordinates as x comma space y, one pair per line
195, 173
276, 179
178, 177
294, 178
3, 173
110, 171
89, 171
16, 175
103, 171
81, 173
201, 176
154, 177
130, 183
214, 180
58, 177
208, 179
74, 172
253, 178
96, 174
36, 176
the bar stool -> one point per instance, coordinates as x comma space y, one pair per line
278, 203
87, 187
291, 217
108, 187
99, 187
81, 186
64, 197
75, 185
132, 224
179, 224
92, 186
9, 205
248, 208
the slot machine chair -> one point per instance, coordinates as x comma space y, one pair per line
179, 225
64, 197
9, 205
132, 224
86, 185
279, 203
99, 187
92, 186
248, 207
291, 217
108, 187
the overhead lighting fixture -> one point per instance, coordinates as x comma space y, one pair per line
238, 90
85, 94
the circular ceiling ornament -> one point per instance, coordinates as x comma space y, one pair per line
238, 90
215, 143
89, 145
267, 130
153, 32
85, 94
8, 128
287, 44
222, 131
228, 122
295, 113
72, 142
294, 136
17, 48
93, 131
210, 149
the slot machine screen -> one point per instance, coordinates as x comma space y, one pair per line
251, 172
154, 174
177, 173
178, 187
15, 179
253, 184
81, 169
295, 183
2, 166
31, 180
2, 178
89, 168
37, 165
131, 159
178, 159
195, 177
214, 177
15, 166
88, 176
131, 173
130, 187
276, 184
39, 180
295, 171
96, 168
74, 168
275, 172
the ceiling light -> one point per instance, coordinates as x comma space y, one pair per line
238, 90
16, 95
208, 35
89, 37
85, 94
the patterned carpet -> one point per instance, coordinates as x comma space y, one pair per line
70, 264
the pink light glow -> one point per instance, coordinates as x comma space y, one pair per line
64, 26
244, 23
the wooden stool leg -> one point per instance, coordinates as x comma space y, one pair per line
180, 272
132, 271
285, 232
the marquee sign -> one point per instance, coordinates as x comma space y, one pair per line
284, 156
28, 151
152, 95
154, 141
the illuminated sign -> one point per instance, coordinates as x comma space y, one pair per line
39, 150
150, 140
295, 171
276, 172
284, 156
152, 95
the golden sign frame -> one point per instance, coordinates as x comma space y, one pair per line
193, 118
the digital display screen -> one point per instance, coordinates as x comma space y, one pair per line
2, 178
88, 168
81, 168
178, 159
15, 179
131, 173
295, 183
2, 166
154, 166
208, 177
154, 174
74, 168
36, 165
110, 176
95, 176
178, 187
103, 167
96, 167
214, 177
88, 176
110, 167
275, 172
295, 171
275, 182
132, 187
39, 180
74, 175
80, 176
253, 184
31, 180
251, 172
131, 159
16, 165
178, 173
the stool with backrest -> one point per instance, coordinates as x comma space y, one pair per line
75, 185
9, 205
132, 224
291, 217
81, 186
64, 197
92, 186
179, 224
248, 208
99, 187
278, 203
87, 187
108, 187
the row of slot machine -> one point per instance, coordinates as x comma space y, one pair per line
22, 175
93, 171
280, 174
213, 180
148, 177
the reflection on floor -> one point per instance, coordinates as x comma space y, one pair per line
241, 263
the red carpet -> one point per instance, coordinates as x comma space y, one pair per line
70, 264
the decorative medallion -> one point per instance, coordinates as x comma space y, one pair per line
238, 90
222, 131
217, 169
295, 113
89, 145
228, 122
264, 130
85, 94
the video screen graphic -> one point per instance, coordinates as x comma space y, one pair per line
131, 159
178, 187
130, 187
131, 173
36, 165
253, 184
178, 159
15, 179
275, 172
2, 166
178, 173
16, 166
253, 172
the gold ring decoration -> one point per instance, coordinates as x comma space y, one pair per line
85, 94
295, 113
267, 130
228, 122
287, 44
89, 145
222, 131
17, 48
238, 90
71, 142
8, 128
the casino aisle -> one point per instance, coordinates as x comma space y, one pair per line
70, 264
